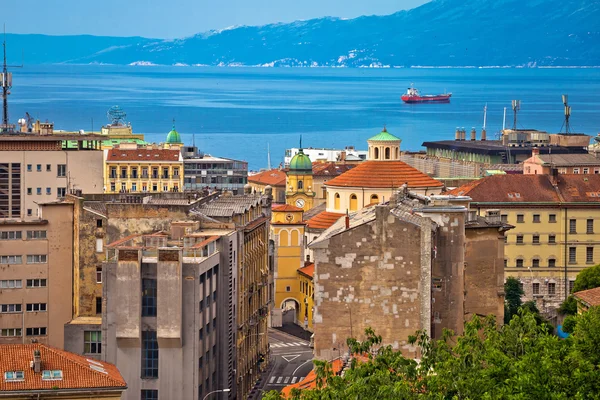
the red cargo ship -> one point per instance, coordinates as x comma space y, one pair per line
412, 95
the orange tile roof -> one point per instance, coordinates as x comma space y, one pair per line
143, 155
310, 382
591, 297
330, 169
273, 177
384, 174
323, 220
308, 270
286, 208
76, 370
205, 242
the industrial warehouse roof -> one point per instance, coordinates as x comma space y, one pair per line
495, 147
228, 206
146, 155
384, 174
323, 220
78, 372
532, 189
273, 177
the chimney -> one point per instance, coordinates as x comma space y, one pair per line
37, 361
347, 218
535, 152
463, 134
483, 135
473, 134
457, 134
554, 176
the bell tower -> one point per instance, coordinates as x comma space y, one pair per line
299, 181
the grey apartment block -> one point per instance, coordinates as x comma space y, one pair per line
203, 171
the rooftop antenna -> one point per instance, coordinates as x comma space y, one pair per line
268, 156
565, 99
6, 82
516, 106
300, 142
484, 115
504, 120
193, 140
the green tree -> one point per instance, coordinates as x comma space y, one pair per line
512, 298
589, 278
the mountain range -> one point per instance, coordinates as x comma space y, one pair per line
438, 33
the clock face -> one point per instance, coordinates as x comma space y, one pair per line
299, 203
289, 217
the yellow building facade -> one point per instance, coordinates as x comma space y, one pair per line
129, 168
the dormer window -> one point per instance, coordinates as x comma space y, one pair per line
52, 375
14, 376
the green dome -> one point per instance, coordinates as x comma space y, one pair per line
384, 136
173, 136
301, 164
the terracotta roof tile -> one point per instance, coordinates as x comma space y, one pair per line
308, 270
273, 177
330, 169
591, 296
323, 220
286, 208
384, 174
310, 382
532, 188
76, 370
143, 155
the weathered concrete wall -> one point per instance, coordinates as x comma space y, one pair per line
484, 273
169, 307
369, 276
127, 281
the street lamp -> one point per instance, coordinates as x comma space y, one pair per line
216, 391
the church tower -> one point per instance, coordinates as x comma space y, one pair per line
384, 147
299, 182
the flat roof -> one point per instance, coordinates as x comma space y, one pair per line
496, 146
17, 137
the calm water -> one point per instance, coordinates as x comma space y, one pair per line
235, 112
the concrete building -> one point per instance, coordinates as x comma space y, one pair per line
39, 371
565, 163
348, 154
556, 231
203, 171
404, 266
129, 168
36, 169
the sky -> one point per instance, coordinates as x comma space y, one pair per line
175, 18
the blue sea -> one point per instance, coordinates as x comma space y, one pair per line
238, 112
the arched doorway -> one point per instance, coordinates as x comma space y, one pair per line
291, 311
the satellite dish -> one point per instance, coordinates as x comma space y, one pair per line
116, 115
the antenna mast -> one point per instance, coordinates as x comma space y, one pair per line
516, 106
504, 120
565, 99
268, 157
6, 82
484, 115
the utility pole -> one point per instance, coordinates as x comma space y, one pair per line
6, 82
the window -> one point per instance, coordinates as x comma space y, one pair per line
300, 185
520, 218
123, 172
98, 223
572, 226
571, 286
11, 284
535, 263
14, 376
504, 218
29, 212
37, 259
590, 226
551, 288
134, 187
336, 201
148, 297
536, 239
586, 171
589, 255
48, 167
536, 218
29, 192
551, 263
98, 274
39, 168
35, 331
519, 263
11, 260
175, 171
572, 255
11, 332
149, 355
552, 239
123, 187
48, 191
505, 263
10, 308
112, 187
38, 191
61, 170
34, 307
536, 288
519, 239
99, 245
61, 192
134, 173
575, 170
34, 283
288, 289
28, 167
36, 235
98, 305
154, 187
52, 375
201, 334
92, 342
10, 235
149, 394
552, 218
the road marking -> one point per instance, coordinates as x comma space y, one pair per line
291, 357
287, 379
299, 366
272, 379
294, 379
280, 379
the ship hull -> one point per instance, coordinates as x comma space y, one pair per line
441, 98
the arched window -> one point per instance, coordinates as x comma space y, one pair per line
336, 201
294, 239
374, 199
376, 153
353, 202
283, 238
387, 153
300, 184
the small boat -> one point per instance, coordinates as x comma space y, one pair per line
412, 95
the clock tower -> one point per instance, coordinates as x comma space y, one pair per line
299, 182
